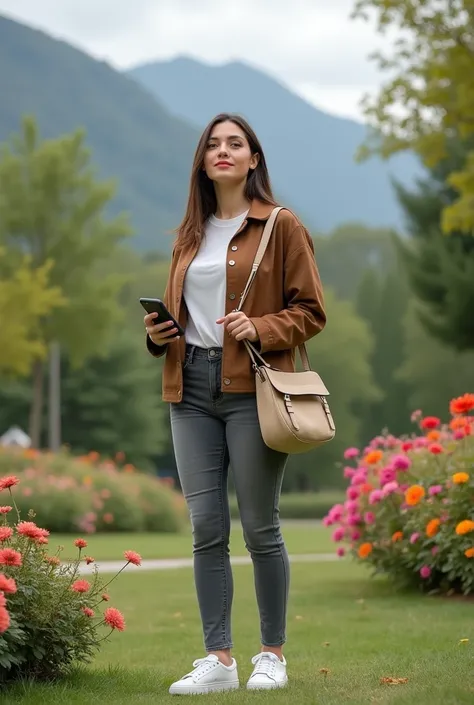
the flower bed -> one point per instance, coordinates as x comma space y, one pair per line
50, 618
409, 511
84, 494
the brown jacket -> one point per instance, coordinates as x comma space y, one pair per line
285, 302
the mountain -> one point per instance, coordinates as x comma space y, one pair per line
310, 153
132, 135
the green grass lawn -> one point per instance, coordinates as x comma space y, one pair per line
301, 537
339, 620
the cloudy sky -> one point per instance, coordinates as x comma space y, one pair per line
311, 45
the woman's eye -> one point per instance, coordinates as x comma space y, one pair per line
235, 144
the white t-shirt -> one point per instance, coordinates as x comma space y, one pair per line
205, 283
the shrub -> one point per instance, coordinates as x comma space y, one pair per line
300, 505
409, 511
85, 494
50, 617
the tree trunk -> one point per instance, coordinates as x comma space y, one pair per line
54, 398
36, 410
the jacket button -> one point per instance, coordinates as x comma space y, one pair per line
179, 392
231, 297
231, 262
234, 248
226, 381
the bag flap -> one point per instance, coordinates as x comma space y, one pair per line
295, 383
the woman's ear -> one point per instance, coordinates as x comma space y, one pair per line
254, 160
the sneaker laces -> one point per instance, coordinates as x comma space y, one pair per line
202, 666
265, 663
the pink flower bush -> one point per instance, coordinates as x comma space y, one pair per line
409, 511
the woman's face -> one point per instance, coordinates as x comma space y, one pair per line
228, 158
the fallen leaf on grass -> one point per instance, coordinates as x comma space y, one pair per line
298, 617
464, 641
327, 643
324, 671
393, 681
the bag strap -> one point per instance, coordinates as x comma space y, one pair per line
265, 239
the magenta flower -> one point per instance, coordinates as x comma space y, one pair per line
369, 518
355, 535
420, 442
375, 496
352, 506
390, 488
434, 550
401, 462
360, 477
458, 434
352, 492
414, 537
338, 534
341, 551
387, 475
425, 571
351, 453
336, 512
354, 519
327, 521
348, 472
434, 490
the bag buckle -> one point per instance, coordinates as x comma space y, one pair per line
257, 370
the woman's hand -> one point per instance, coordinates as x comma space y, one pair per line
239, 326
156, 333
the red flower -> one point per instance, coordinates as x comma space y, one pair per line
5, 533
5, 510
29, 529
10, 557
7, 585
133, 557
41, 540
80, 543
4, 620
462, 405
80, 586
88, 559
430, 422
407, 445
436, 448
114, 619
88, 612
105, 597
3, 600
8, 481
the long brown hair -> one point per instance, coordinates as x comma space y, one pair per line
202, 197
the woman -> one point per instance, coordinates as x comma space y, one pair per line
209, 382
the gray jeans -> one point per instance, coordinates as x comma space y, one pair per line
210, 430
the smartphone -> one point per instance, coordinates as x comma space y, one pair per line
156, 305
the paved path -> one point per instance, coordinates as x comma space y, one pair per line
173, 563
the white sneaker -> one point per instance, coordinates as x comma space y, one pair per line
268, 673
209, 676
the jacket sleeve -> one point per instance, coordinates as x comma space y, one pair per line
304, 315
153, 349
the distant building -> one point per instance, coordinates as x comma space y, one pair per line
15, 437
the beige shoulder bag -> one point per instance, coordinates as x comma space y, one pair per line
292, 407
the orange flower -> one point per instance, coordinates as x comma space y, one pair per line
433, 435
432, 527
459, 422
93, 456
133, 557
10, 557
31, 531
80, 586
80, 543
114, 619
469, 552
7, 585
462, 405
397, 536
88, 612
414, 494
373, 457
365, 549
52, 560
459, 478
366, 488
464, 527
6, 533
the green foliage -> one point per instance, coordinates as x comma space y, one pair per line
25, 298
86, 494
433, 370
432, 88
440, 269
300, 505
410, 510
340, 354
382, 302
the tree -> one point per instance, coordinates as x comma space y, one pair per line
113, 403
433, 370
440, 269
429, 99
53, 208
25, 298
340, 354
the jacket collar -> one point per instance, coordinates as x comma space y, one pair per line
260, 210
